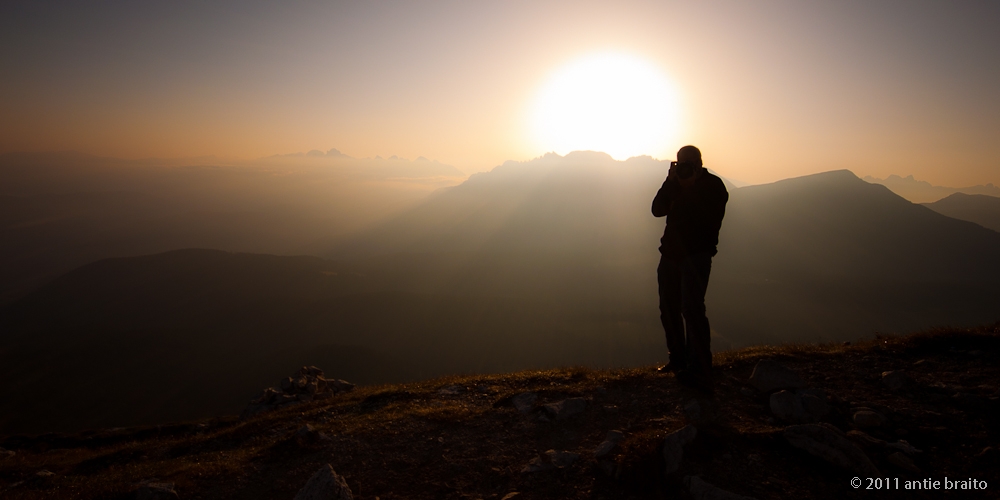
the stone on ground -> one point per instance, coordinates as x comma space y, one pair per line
673, 447
829, 443
800, 407
525, 402
895, 380
770, 376
566, 408
702, 490
325, 484
551, 459
156, 491
609, 443
903, 462
868, 418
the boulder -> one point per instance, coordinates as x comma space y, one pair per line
551, 459
325, 484
800, 407
566, 408
896, 380
306, 385
673, 447
770, 376
829, 443
702, 490
609, 443
903, 462
6, 453
156, 491
701, 411
525, 402
864, 417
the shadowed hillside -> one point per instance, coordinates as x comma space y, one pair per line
981, 209
907, 408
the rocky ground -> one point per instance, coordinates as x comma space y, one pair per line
783, 422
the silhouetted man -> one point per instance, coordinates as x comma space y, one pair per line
694, 202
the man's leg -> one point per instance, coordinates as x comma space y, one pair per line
668, 277
695, 270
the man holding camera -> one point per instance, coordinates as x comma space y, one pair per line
694, 202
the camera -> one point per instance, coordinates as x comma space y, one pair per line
683, 170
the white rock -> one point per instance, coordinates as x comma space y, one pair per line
325, 484
770, 376
903, 462
525, 402
614, 437
868, 418
566, 408
895, 380
673, 447
156, 491
829, 443
798, 407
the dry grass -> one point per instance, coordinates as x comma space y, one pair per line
415, 441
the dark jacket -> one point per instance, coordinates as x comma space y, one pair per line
694, 215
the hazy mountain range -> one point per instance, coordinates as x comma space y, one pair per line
535, 264
923, 192
979, 208
59, 211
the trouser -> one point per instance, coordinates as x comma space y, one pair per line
682, 285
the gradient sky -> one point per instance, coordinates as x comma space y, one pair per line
768, 89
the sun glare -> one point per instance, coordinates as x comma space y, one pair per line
610, 102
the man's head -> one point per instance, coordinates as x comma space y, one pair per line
689, 154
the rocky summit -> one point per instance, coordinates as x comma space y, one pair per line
792, 421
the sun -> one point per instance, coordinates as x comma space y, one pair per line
611, 102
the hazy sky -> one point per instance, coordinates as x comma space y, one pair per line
768, 90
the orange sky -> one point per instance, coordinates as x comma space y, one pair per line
768, 90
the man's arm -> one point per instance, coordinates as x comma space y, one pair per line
664, 197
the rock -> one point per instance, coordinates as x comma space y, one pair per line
988, 457
673, 447
701, 490
308, 434
550, 460
339, 385
511, 495
525, 402
896, 380
799, 407
903, 462
6, 453
829, 443
156, 491
451, 390
45, 474
771, 376
748, 392
325, 484
561, 459
566, 408
612, 440
904, 446
537, 464
701, 411
868, 418
865, 440
306, 385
